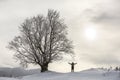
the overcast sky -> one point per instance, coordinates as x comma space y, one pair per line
102, 16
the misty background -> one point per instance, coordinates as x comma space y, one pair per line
102, 15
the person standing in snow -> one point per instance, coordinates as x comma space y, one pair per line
72, 66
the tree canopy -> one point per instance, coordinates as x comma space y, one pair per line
42, 40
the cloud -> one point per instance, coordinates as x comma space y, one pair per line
107, 13
106, 59
105, 50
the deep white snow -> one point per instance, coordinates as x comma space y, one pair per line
91, 74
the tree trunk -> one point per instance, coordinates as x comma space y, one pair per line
44, 67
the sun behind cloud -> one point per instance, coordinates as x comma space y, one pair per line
90, 32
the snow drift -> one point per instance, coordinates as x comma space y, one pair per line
90, 74
17, 72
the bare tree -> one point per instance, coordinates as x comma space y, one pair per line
42, 40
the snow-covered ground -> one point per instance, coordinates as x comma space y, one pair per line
16, 72
91, 74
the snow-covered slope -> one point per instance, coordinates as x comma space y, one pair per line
16, 72
91, 74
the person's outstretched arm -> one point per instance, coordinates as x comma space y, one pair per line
69, 63
75, 63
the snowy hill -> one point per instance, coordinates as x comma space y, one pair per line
91, 74
16, 72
